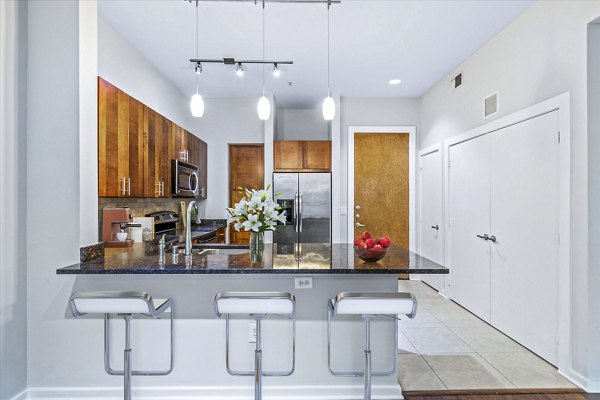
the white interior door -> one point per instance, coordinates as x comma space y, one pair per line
469, 216
431, 229
524, 219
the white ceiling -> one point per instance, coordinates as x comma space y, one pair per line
372, 42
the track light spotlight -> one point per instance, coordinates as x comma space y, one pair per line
239, 70
198, 68
276, 71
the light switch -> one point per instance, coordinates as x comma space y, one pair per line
343, 210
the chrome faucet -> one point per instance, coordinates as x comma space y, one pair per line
188, 228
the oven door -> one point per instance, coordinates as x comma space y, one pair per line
185, 179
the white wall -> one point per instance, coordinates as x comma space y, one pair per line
540, 55
370, 112
225, 121
294, 124
52, 181
123, 65
13, 255
594, 192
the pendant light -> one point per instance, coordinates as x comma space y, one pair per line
328, 103
197, 102
264, 106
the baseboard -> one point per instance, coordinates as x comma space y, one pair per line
379, 392
589, 385
21, 396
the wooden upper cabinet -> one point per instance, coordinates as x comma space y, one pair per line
302, 156
202, 162
288, 154
136, 145
157, 157
120, 143
316, 155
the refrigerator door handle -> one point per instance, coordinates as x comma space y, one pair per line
300, 210
296, 211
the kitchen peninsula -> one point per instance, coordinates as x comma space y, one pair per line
200, 338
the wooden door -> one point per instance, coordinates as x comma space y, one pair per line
120, 143
246, 170
288, 155
381, 192
469, 212
524, 220
431, 227
316, 155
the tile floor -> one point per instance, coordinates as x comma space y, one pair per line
447, 347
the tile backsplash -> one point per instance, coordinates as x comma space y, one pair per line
141, 207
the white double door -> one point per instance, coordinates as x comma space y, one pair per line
505, 185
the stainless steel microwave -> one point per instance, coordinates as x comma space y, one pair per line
184, 178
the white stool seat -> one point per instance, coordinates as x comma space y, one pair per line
116, 303
254, 303
374, 303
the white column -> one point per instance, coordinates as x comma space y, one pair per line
88, 122
269, 135
336, 174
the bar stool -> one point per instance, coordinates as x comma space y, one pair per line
124, 304
369, 306
258, 305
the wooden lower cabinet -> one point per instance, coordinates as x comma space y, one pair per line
220, 236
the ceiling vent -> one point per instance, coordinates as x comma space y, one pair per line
490, 105
457, 80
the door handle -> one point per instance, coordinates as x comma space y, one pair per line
296, 211
436, 227
484, 237
359, 225
300, 210
492, 238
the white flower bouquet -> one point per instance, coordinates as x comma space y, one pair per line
256, 212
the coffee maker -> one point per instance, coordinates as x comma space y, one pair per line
115, 222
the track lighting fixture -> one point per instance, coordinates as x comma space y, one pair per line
276, 71
239, 71
198, 68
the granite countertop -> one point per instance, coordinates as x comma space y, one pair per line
308, 258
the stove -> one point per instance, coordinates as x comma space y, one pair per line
165, 223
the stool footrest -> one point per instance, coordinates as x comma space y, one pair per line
109, 370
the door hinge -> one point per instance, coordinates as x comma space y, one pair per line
559, 137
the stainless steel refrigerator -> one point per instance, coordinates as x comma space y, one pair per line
306, 197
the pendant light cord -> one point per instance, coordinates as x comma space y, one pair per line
328, 67
263, 46
197, 40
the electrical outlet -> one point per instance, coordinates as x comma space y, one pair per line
303, 282
252, 332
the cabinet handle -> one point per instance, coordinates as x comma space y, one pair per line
492, 238
436, 227
484, 237
123, 187
128, 186
157, 192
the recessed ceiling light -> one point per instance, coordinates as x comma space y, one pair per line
395, 81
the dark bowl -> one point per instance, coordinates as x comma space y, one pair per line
369, 255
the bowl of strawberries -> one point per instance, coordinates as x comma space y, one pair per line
369, 248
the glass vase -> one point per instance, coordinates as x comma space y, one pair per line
257, 246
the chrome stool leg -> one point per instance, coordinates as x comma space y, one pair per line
258, 362
367, 358
127, 358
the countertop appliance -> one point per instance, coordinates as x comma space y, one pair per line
115, 222
184, 178
306, 197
